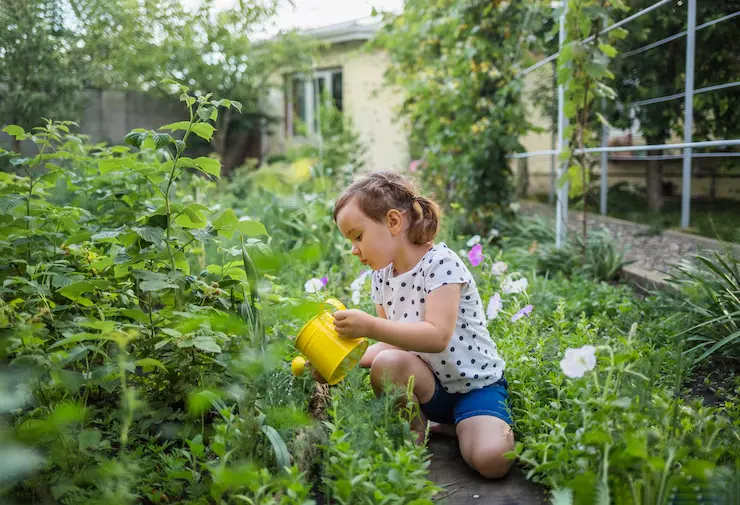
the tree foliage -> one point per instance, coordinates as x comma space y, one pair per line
42, 73
457, 63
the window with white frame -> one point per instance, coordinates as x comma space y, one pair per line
303, 94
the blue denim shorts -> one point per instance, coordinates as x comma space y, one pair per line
451, 408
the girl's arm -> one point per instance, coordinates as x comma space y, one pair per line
431, 335
375, 349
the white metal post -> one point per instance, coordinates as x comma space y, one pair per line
688, 121
604, 162
561, 207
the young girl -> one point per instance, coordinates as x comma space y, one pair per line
430, 320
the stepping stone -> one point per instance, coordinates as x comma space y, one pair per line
463, 486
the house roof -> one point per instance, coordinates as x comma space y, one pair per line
356, 29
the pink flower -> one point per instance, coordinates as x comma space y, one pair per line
523, 312
475, 255
414, 165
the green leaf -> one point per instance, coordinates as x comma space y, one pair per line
110, 165
135, 138
89, 439
15, 131
226, 221
207, 344
204, 130
152, 234
156, 285
595, 70
107, 234
148, 143
570, 109
10, 202
208, 165
78, 288
618, 33
78, 238
282, 456
162, 139
148, 364
251, 228
608, 50
201, 401
178, 126
205, 113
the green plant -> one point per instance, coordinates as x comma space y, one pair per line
709, 290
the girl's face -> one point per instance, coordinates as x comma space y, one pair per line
375, 244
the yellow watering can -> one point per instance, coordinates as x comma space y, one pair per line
332, 355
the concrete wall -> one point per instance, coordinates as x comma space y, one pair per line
110, 115
369, 103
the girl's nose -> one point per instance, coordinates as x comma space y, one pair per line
355, 250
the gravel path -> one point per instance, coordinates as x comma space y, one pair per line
650, 250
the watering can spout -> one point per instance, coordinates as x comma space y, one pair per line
330, 354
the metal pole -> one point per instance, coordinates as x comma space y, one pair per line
561, 208
604, 161
553, 141
688, 121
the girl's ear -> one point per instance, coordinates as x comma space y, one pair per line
394, 218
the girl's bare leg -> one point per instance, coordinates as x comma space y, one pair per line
372, 351
396, 366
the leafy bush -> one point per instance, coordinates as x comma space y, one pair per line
146, 338
709, 290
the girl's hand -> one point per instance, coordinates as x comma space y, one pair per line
353, 323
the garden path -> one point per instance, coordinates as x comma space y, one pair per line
463, 486
651, 251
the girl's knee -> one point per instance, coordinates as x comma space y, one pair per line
490, 462
387, 364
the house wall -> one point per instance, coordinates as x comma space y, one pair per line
366, 100
630, 169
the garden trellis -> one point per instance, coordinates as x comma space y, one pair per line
688, 145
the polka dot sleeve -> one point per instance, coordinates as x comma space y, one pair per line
445, 268
377, 290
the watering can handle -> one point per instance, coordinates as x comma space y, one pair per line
336, 303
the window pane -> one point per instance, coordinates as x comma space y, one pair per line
318, 93
299, 106
336, 88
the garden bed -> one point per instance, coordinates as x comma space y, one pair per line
148, 317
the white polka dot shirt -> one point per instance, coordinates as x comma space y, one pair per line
470, 360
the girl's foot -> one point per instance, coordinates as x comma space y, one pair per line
443, 429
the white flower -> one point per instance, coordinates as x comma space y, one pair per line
494, 233
578, 361
515, 206
494, 306
499, 268
475, 239
361, 280
510, 286
314, 285
358, 284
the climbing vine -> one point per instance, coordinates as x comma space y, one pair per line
583, 72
